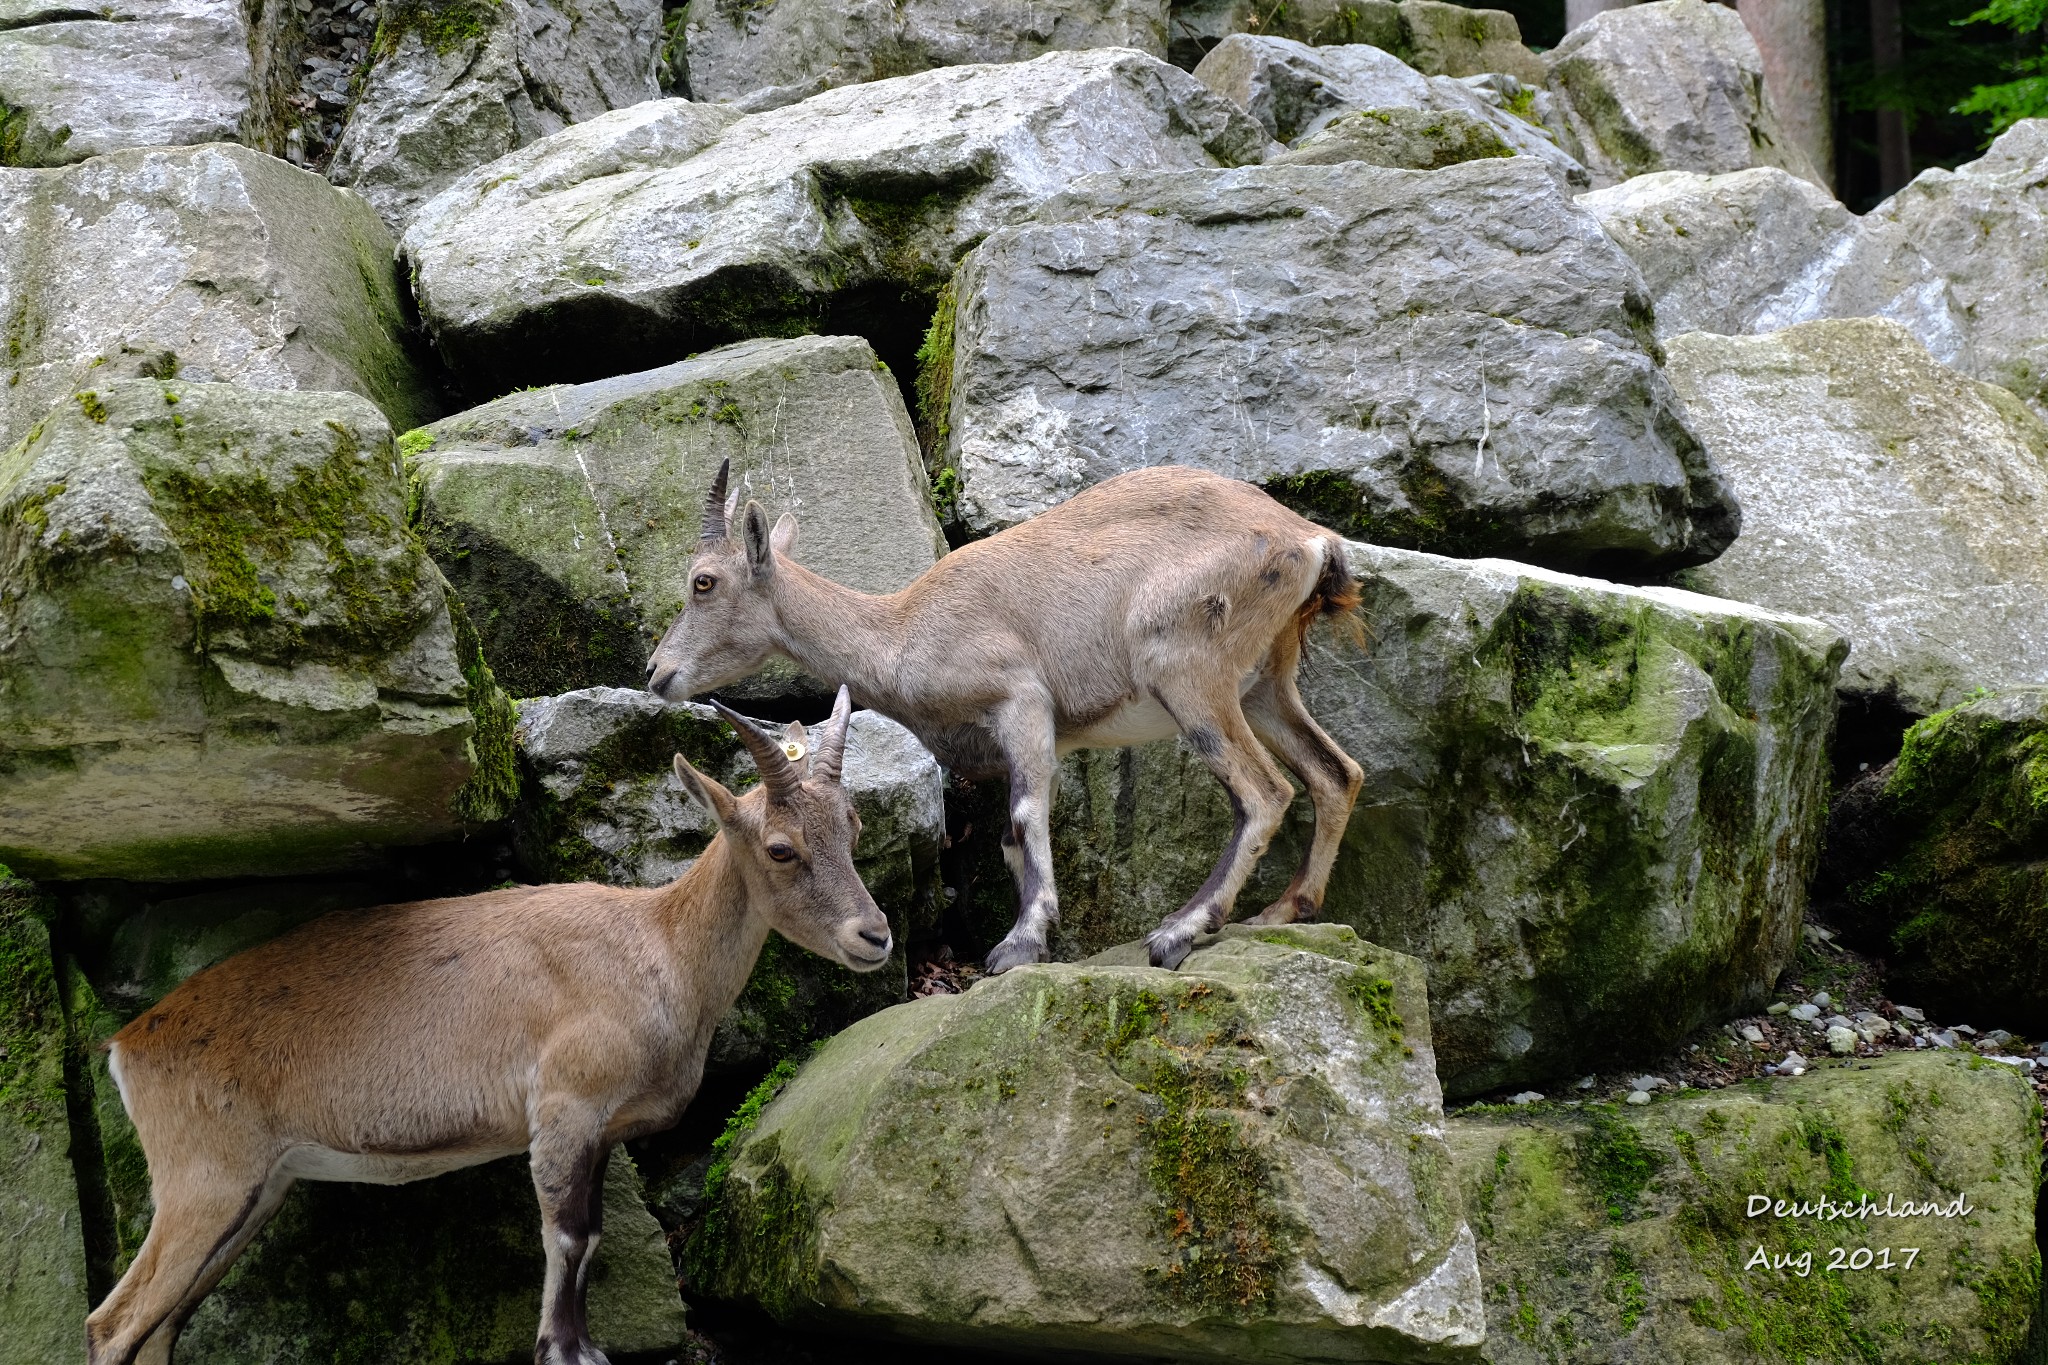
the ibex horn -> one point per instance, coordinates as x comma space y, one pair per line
714, 505
778, 774
832, 744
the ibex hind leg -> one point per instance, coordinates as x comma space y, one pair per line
1277, 715
1215, 727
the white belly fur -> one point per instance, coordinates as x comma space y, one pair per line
1136, 722
323, 1163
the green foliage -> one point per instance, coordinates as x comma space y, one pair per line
741, 1122
1615, 1163
493, 786
2025, 96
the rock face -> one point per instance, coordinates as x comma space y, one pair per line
1676, 85
1734, 253
765, 56
1938, 861
80, 82
1240, 1160
211, 263
1605, 1234
603, 804
1296, 91
222, 651
1434, 38
1457, 360
1408, 139
1884, 494
654, 231
1590, 811
566, 517
42, 1260
457, 85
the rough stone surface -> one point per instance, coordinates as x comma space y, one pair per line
1884, 494
1590, 811
222, 652
1434, 38
42, 1259
1240, 1160
603, 804
1408, 139
213, 263
1676, 85
1734, 253
566, 517
451, 89
1457, 360
1938, 862
656, 231
1611, 1234
79, 82
765, 56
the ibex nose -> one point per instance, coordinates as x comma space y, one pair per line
658, 679
878, 941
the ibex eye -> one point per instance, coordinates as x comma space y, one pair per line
705, 582
781, 853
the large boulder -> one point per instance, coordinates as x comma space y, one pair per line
567, 517
42, 1260
764, 56
1590, 811
1241, 1160
1734, 253
1609, 1234
602, 803
1407, 139
1296, 92
1676, 85
80, 81
1435, 38
453, 86
1883, 493
212, 263
652, 232
1938, 863
1455, 359
223, 652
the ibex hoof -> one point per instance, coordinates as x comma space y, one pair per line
1169, 946
1287, 910
1014, 952
570, 1353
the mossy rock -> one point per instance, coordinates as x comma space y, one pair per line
1938, 862
1414, 139
228, 654
1236, 1161
1627, 1234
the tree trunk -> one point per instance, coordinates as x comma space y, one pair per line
1887, 56
1792, 35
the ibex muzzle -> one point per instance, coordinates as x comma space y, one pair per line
1162, 601
392, 1044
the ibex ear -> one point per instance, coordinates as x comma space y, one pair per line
784, 538
705, 791
797, 745
760, 549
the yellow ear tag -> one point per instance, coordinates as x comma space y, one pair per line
794, 750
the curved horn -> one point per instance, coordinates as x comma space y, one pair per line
714, 505
832, 744
778, 774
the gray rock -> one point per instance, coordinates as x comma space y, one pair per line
1590, 810
1434, 38
450, 89
1410, 139
672, 226
1841, 1041
1456, 359
766, 56
1295, 91
214, 263
1676, 85
223, 651
1734, 253
1805, 1013
1238, 1161
567, 517
1882, 493
81, 81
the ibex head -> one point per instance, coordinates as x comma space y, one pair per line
792, 839
726, 629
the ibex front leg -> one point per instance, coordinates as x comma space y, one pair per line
1025, 732
568, 1176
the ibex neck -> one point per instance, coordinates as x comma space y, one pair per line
714, 930
839, 635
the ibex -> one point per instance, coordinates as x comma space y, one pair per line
1163, 600
397, 1043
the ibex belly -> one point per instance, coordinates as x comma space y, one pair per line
1138, 721
382, 1168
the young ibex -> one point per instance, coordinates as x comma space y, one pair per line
1160, 601
397, 1043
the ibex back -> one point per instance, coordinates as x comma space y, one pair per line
1162, 601
392, 1044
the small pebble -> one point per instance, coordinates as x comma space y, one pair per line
1964, 1029
1777, 1007
1841, 1021
1942, 1037
1841, 1041
1752, 1034
1793, 1065
1998, 1035
1526, 1097
1823, 999
1647, 1083
1588, 1082
1908, 1012
1806, 1013
1638, 1097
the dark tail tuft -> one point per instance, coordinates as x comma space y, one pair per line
1336, 594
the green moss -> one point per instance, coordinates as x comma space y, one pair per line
492, 789
1212, 1183
442, 25
32, 1031
89, 404
415, 443
2008, 1294
1374, 994
1626, 1287
1615, 1164
24, 142
935, 388
741, 1122
1436, 519
761, 1232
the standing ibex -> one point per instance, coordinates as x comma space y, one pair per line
1160, 601
397, 1043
